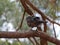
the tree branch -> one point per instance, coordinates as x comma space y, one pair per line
40, 12
29, 34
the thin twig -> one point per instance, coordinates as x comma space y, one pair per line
36, 41
54, 31
20, 25
31, 41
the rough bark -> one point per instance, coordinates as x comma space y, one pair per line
29, 34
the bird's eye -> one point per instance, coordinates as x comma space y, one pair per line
36, 18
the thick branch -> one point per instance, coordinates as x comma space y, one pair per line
29, 34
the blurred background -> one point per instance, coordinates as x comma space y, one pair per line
11, 12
